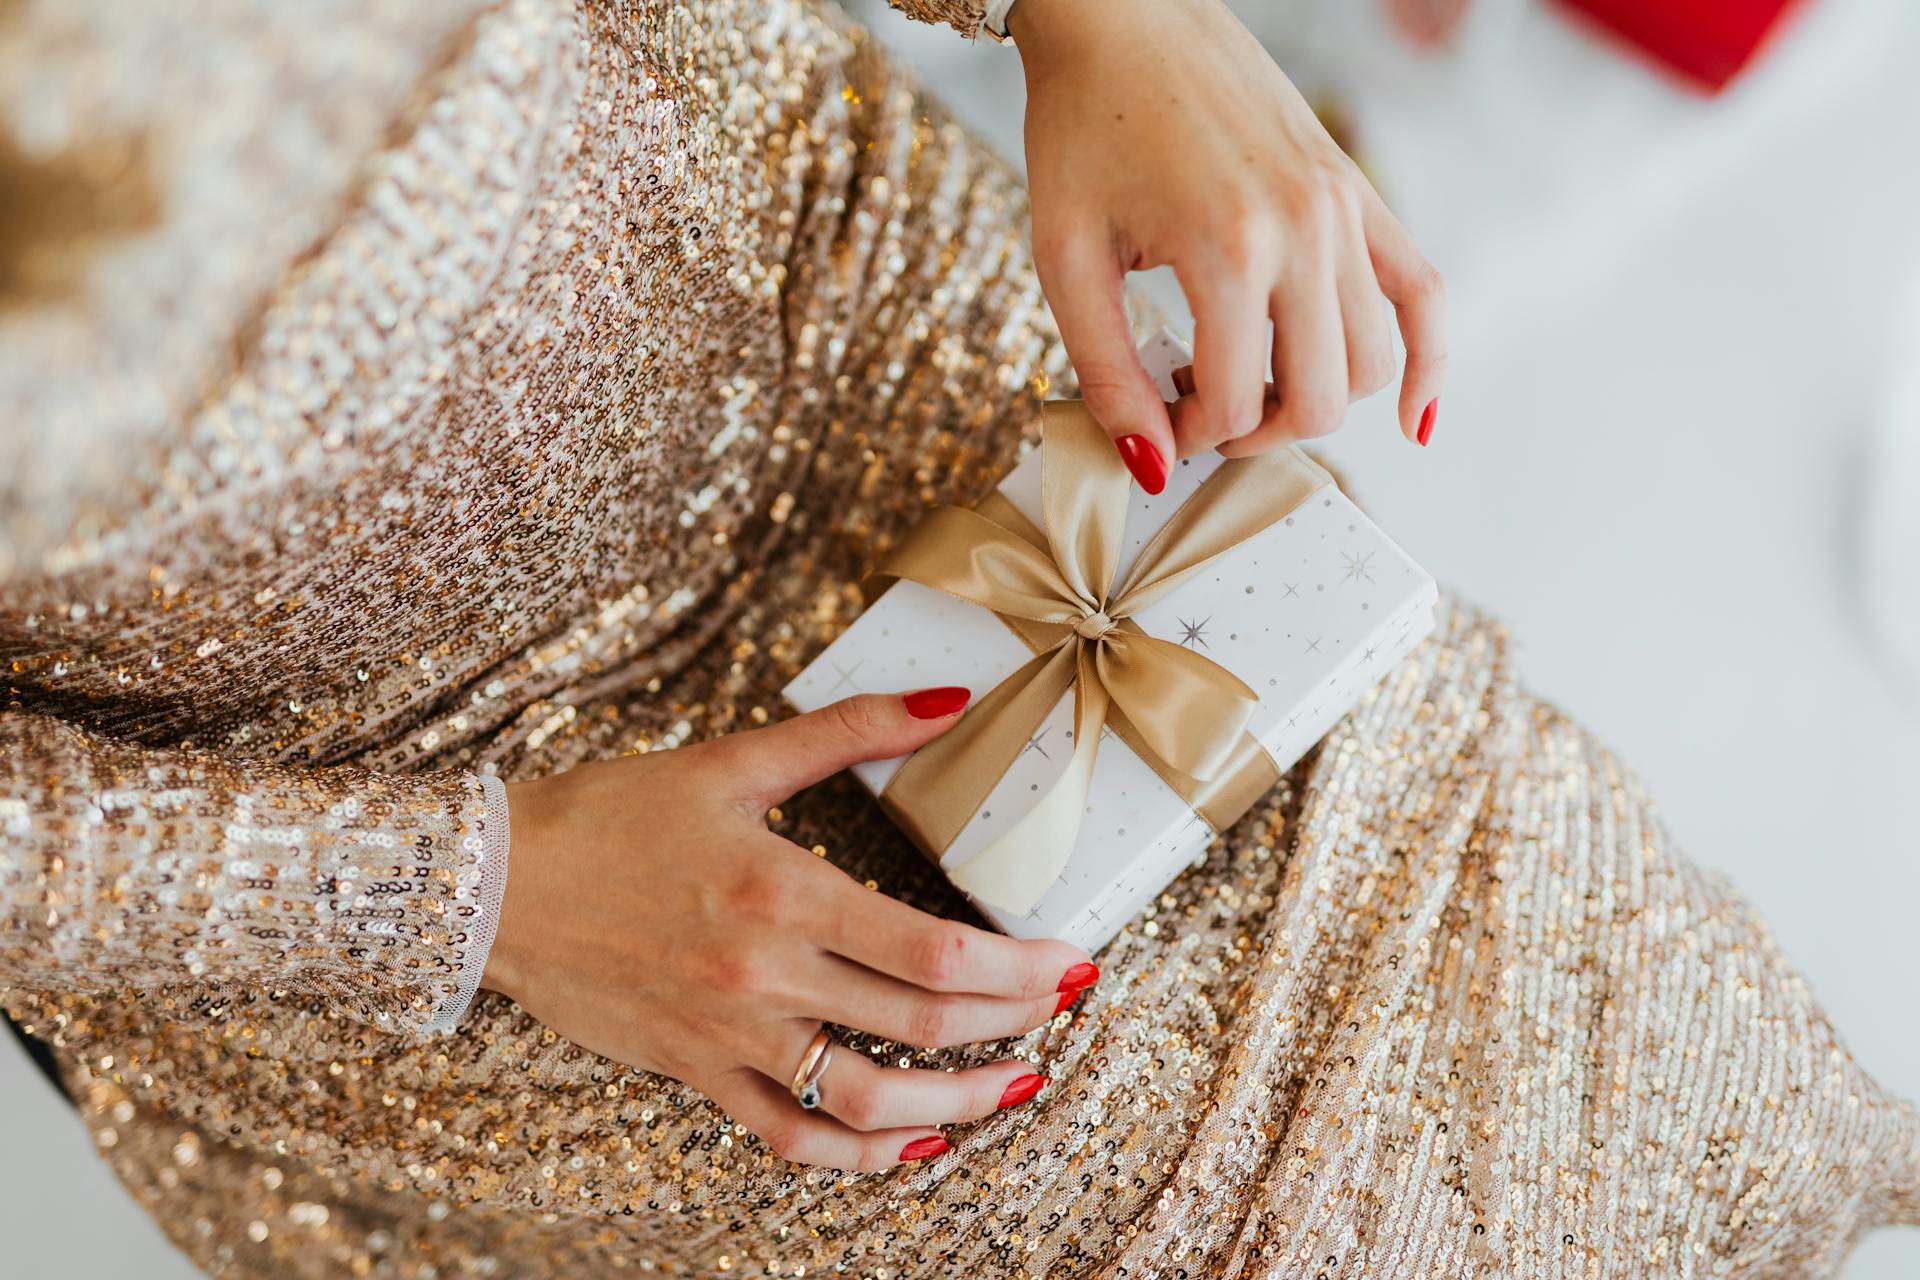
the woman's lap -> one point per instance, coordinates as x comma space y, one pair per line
1446, 1003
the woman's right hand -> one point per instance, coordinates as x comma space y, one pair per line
652, 918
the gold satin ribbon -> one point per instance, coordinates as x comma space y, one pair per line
1183, 714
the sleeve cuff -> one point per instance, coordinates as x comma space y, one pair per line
488, 880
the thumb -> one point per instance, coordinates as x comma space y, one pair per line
786, 757
1086, 290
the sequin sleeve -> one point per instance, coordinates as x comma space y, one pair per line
124, 868
963, 16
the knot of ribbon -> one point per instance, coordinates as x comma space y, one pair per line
1059, 590
1094, 625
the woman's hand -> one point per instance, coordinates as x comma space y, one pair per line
1159, 131
651, 917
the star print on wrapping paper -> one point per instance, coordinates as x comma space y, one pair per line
1195, 632
1357, 568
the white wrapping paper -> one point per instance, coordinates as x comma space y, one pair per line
1310, 613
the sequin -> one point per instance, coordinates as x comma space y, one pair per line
539, 394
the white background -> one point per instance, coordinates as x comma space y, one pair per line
1673, 324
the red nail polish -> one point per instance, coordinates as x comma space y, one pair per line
1078, 978
934, 704
1427, 416
1148, 467
1020, 1090
921, 1148
1183, 379
1066, 998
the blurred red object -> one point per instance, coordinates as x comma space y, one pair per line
1707, 41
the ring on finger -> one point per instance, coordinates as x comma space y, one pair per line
813, 1064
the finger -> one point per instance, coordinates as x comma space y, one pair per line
869, 1097
1309, 362
769, 1112
890, 937
1363, 320
853, 995
1229, 357
771, 764
1419, 301
1085, 287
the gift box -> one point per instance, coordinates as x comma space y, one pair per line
1143, 667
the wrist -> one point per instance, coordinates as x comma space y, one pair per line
505, 963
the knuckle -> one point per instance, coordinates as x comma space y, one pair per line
1429, 286
1319, 416
1040, 972
857, 718
1238, 248
1238, 417
762, 894
861, 1105
1239, 230
732, 972
1371, 372
1107, 386
940, 956
931, 1024
1307, 207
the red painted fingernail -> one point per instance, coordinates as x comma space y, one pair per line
1148, 467
1066, 998
921, 1148
933, 704
1427, 416
1020, 1090
1078, 978
1183, 379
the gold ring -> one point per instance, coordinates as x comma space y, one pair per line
813, 1064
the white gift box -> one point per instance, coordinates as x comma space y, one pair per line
1310, 613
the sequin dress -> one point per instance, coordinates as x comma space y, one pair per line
404, 397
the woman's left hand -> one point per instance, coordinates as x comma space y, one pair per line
1160, 132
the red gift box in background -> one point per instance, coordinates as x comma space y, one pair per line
1707, 41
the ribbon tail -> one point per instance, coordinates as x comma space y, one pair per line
1014, 872
935, 793
1189, 710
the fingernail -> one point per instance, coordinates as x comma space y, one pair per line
921, 1148
1183, 379
1078, 978
1020, 1090
1427, 416
1066, 998
1148, 467
933, 704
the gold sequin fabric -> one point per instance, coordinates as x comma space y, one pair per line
490, 391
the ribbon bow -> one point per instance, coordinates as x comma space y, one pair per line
1182, 713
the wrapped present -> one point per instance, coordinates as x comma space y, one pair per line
1144, 668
